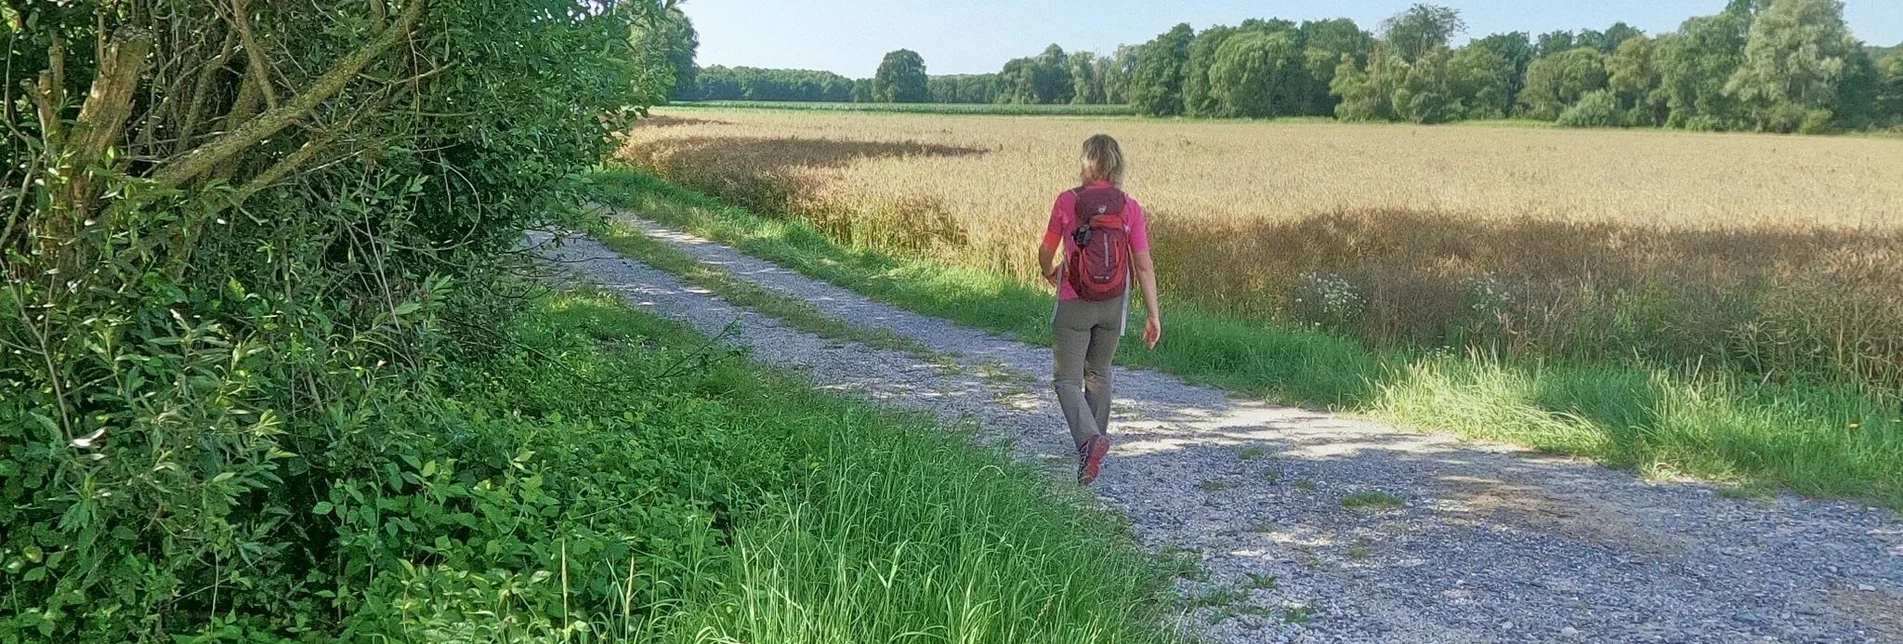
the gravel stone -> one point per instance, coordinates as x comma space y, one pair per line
1495, 544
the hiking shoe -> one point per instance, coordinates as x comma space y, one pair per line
1092, 454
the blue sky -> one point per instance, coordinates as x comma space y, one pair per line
975, 36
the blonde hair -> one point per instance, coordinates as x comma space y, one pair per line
1103, 160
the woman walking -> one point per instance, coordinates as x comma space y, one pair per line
1105, 240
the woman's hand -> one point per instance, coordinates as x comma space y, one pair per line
1152, 332
1052, 276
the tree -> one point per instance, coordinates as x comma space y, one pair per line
719, 83
1618, 34
1086, 79
1634, 79
1258, 74
1050, 80
1156, 84
675, 36
901, 78
1795, 60
1199, 96
1597, 108
1888, 104
1324, 42
1420, 29
1424, 94
1482, 80
1517, 49
1117, 71
1557, 82
1553, 43
1856, 105
1694, 66
1365, 95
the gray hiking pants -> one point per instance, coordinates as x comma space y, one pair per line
1086, 335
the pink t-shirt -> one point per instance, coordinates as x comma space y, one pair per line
1064, 220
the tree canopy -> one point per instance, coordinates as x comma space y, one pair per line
901, 79
1776, 65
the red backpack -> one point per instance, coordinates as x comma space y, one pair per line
1098, 267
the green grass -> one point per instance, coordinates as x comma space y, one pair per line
795, 312
836, 521
924, 108
1372, 500
1818, 441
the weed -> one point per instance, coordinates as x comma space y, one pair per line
1299, 614
1361, 550
1217, 597
1372, 500
1185, 563
1218, 485
1252, 453
1260, 582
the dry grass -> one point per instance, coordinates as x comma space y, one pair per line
1774, 255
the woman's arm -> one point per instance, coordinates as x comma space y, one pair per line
1047, 262
1146, 276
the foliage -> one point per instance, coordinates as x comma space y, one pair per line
963, 88
1482, 79
1515, 48
1324, 42
729, 485
1156, 81
1421, 29
1258, 74
1796, 59
1694, 66
1198, 99
719, 83
1557, 82
672, 38
1679, 79
1365, 95
1597, 108
1633, 78
901, 79
244, 237
1888, 108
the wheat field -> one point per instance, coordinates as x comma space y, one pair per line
1776, 255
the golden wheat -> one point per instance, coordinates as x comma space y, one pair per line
1781, 254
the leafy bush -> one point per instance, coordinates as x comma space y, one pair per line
1598, 108
232, 276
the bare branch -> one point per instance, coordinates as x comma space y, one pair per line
109, 102
202, 159
257, 60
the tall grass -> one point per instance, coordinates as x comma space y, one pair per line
1827, 441
831, 520
1775, 257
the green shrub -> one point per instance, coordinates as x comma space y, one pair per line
1598, 108
228, 302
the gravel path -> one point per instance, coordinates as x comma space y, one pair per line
1491, 543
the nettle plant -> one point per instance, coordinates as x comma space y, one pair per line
235, 235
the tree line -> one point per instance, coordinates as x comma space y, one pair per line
1770, 65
